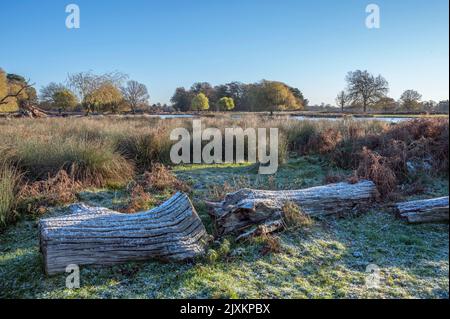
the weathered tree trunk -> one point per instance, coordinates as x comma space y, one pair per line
99, 236
248, 207
424, 211
32, 111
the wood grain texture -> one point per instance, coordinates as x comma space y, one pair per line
424, 211
99, 236
248, 207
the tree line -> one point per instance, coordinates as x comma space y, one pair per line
366, 91
115, 92
261, 96
109, 92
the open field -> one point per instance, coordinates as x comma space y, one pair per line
116, 163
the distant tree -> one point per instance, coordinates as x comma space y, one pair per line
273, 96
64, 99
15, 78
342, 99
234, 90
220, 91
3, 90
15, 92
58, 96
429, 106
181, 100
200, 102
135, 95
261, 96
19, 86
203, 87
302, 102
47, 92
365, 88
386, 104
225, 104
411, 100
85, 83
443, 106
107, 97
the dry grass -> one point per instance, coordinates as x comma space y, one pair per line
379, 151
9, 185
36, 197
146, 149
377, 168
139, 200
218, 192
160, 178
110, 151
271, 244
294, 217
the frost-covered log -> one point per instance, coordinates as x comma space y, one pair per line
99, 236
424, 211
247, 207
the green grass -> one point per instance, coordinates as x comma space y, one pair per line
328, 260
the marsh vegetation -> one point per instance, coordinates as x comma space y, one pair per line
124, 164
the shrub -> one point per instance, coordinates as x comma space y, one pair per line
299, 136
139, 200
56, 190
161, 179
146, 149
377, 168
271, 244
90, 162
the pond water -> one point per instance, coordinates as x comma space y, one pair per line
299, 118
384, 119
173, 116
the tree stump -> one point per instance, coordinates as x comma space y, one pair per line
99, 236
424, 211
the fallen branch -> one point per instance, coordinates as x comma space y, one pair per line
247, 207
4, 99
99, 236
424, 211
32, 111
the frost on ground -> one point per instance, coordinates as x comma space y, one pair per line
325, 260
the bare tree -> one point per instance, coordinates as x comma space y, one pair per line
48, 92
365, 88
342, 99
84, 83
135, 94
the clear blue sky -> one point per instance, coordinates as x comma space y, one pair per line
169, 43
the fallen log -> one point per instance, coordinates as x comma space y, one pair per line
99, 236
424, 211
32, 111
248, 207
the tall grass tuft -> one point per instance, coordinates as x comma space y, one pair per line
90, 162
9, 184
145, 149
